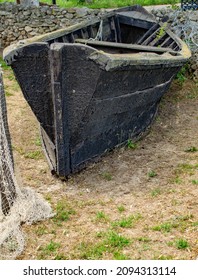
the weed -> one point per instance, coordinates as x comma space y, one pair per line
127, 222
38, 141
116, 240
180, 77
4, 65
155, 192
34, 155
8, 93
177, 180
119, 256
161, 31
111, 242
162, 257
195, 182
144, 239
41, 230
100, 215
52, 246
60, 257
107, 176
121, 208
191, 149
165, 227
186, 168
63, 212
131, 145
181, 244
152, 174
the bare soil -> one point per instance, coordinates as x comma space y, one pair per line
158, 180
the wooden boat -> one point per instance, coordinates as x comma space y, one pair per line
94, 85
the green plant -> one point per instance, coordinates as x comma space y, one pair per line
107, 176
63, 212
181, 244
191, 149
34, 155
100, 215
152, 174
195, 182
161, 31
3, 64
156, 192
119, 256
127, 222
121, 208
165, 227
181, 75
116, 240
131, 145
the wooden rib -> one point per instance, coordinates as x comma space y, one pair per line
148, 33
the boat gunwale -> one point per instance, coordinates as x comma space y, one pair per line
10, 53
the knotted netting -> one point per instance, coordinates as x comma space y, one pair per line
17, 205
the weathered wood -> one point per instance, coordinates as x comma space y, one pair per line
134, 21
133, 47
91, 95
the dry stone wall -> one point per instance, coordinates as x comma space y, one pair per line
18, 22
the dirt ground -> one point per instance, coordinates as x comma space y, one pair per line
154, 185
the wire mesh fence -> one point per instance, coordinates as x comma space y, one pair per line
189, 5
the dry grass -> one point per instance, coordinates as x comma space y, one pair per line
114, 209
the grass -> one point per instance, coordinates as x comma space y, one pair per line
165, 227
63, 212
4, 66
131, 145
101, 216
121, 208
111, 243
152, 174
127, 222
107, 176
34, 155
49, 249
191, 149
181, 244
156, 192
95, 4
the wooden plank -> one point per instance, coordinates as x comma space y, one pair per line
125, 46
148, 33
134, 22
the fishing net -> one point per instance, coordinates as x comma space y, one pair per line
17, 205
185, 25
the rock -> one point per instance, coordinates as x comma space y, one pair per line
28, 29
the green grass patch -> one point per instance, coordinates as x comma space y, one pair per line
152, 174
107, 176
101, 216
34, 155
63, 212
111, 242
131, 145
165, 227
186, 168
121, 208
144, 239
195, 182
3, 65
41, 230
156, 192
191, 149
181, 244
95, 4
127, 222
